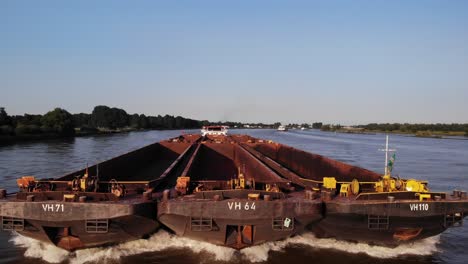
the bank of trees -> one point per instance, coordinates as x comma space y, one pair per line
328, 127
417, 129
60, 122
56, 122
317, 125
413, 128
5, 122
104, 117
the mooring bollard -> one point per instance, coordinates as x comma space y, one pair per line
463, 194
166, 195
148, 195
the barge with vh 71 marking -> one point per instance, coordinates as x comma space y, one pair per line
229, 190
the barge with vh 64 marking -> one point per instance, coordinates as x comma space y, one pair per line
230, 190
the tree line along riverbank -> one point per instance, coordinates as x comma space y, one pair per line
103, 119
419, 130
59, 123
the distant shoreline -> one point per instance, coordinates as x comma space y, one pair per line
458, 135
8, 139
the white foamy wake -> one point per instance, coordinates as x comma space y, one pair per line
163, 240
158, 242
422, 247
38, 249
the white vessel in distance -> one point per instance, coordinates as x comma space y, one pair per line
282, 128
214, 130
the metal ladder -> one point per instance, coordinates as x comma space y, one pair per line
97, 226
201, 224
378, 222
12, 224
453, 220
283, 224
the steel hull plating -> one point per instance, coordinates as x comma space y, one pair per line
73, 225
107, 203
238, 223
389, 224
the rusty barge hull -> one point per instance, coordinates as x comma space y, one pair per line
237, 221
235, 191
80, 225
233, 199
114, 204
385, 217
385, 223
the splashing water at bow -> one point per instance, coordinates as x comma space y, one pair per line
163, 240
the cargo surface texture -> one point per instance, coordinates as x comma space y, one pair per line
230, 190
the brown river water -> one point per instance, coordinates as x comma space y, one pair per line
443, 162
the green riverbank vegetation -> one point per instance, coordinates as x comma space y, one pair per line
103, 119
419, 130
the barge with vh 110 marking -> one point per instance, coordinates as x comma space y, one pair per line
230, 190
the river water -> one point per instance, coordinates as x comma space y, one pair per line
443, 162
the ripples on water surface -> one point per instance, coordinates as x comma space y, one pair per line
443, 162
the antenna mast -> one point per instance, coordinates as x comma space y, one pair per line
387, 150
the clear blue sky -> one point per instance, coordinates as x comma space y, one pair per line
345, 62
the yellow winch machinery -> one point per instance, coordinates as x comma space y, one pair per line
386, 184
389, 184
